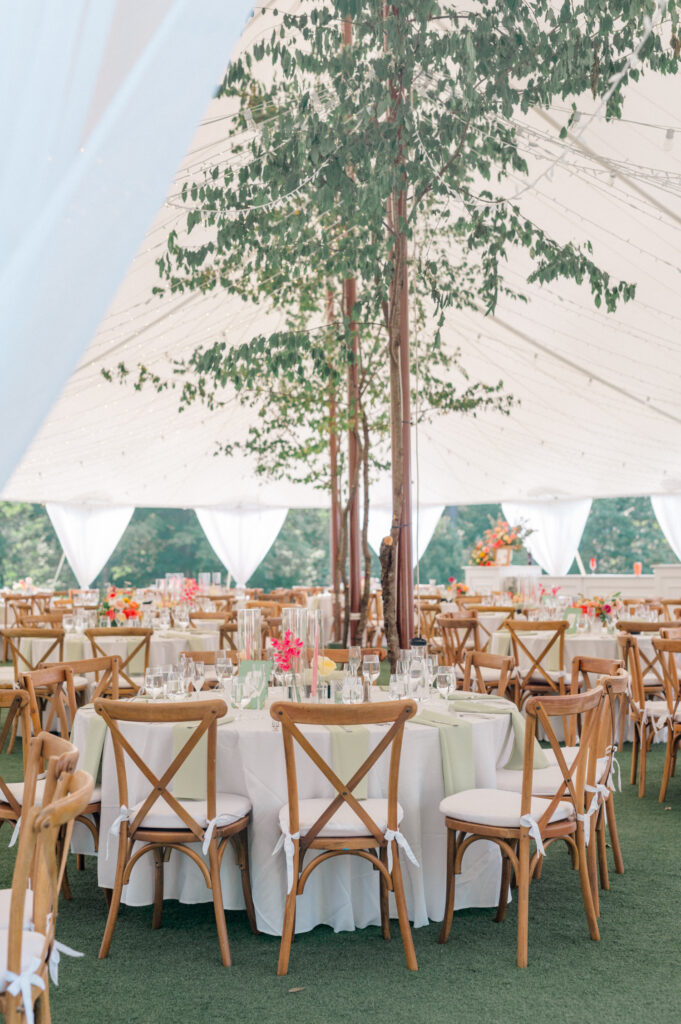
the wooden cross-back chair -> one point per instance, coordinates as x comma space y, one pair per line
489, 672
469, 601
160, 822
196, 617
651, 669
507, 610
669, 653
21, 649
51, 619
670, 607
28, 935
343, 825
16, 705
459, 631
52, 698
584, 675
269, 609
139, 633
228, 632
426, 610
616, 686
538, 678
646, 704
341, 655
512, 819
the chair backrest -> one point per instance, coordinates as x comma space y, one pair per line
341, 655
668, 652
292, 716
469, 600
206, 657
16, 704
507, 610
53, 686
228, 633
616, 687
268, 608
581, 771
196, 617
459, 631
141, 635
205, 713
637, 626
643, 669
426, 610
51, 619
19, 641
584, 669
105, 671
39, 867
478, 660
552, 638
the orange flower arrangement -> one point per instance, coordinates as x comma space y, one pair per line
460, 589
501, 535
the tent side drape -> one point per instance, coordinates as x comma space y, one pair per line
558, 527
92, 138
241, 537
667, 509
380, 520
88, 535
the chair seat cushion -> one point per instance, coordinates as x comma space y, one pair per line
6, 899
498, 808
7, 676
17, 791
32, 944
344, 822
161, 814
545, 781
489, 675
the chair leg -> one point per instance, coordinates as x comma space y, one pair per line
242, 852
523, 899
668, 759
503, 889
115, 902
643, 744
538, 867
158, 887
13, 736
80, 862
624, 708
450, 890
614, 836
592, 865
384, 893
289, 918
43, 1013
585, 882
216, 886
602, 850
634, 755
402, 916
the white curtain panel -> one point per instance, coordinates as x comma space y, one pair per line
241, 537
667, 509
98, 102
88, 535
558, 527
380, 520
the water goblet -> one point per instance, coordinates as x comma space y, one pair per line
371, 667
199, 675
354, 659
443, 681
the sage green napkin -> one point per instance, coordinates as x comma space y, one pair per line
500, 643
456, 750
350, 749
91, 758
265, 667
136, 666
490, 705
189, 782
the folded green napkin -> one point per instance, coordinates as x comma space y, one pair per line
91, 759
189, 782
456, 750
265, 667
350, 749
500, 643
490, 705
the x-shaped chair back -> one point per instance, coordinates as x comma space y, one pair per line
668, 652
16, 704
292, 716
477, 660
195, 618
507, 610
49, 619
269, 609
21, 650
670, 607
341, 655
228, 633
553, 631
105, 671
581, 772
651, 671
585, 675
143, 636
426, 610
204, 712
55, 687
459, 635
616, 687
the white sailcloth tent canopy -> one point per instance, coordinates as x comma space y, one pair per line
88, 535
667, 509
596, 393
241, 537
557, 530
422, 530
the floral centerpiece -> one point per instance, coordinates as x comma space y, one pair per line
603, 607
498, 542
190, 589
546, 593
457, 587
286, 649
119, 604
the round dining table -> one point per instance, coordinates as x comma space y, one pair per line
165, 646
344, 893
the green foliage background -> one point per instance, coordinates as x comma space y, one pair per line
619, 532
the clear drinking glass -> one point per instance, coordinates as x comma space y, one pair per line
199, 675
371, 667
354, 659
443, 681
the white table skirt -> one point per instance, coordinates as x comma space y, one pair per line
343, 893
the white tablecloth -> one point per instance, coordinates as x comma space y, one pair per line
164, 649
344, 892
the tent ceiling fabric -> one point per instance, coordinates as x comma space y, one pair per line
597, 393
98, 101
88, 535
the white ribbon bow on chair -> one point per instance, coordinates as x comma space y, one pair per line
286, 840
391, 834
55, 956
15, 831
115, 829
217, 822
528, 822
22, 983
598, 790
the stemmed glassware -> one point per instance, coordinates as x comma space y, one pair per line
371, 668
223, 670
354, 660
443, 681
353, 691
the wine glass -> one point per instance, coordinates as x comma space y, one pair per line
416, 679
443, 681
221, 663
354, 659
352, 689
371, 667
199, 675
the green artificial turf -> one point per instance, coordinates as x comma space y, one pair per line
174, 974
